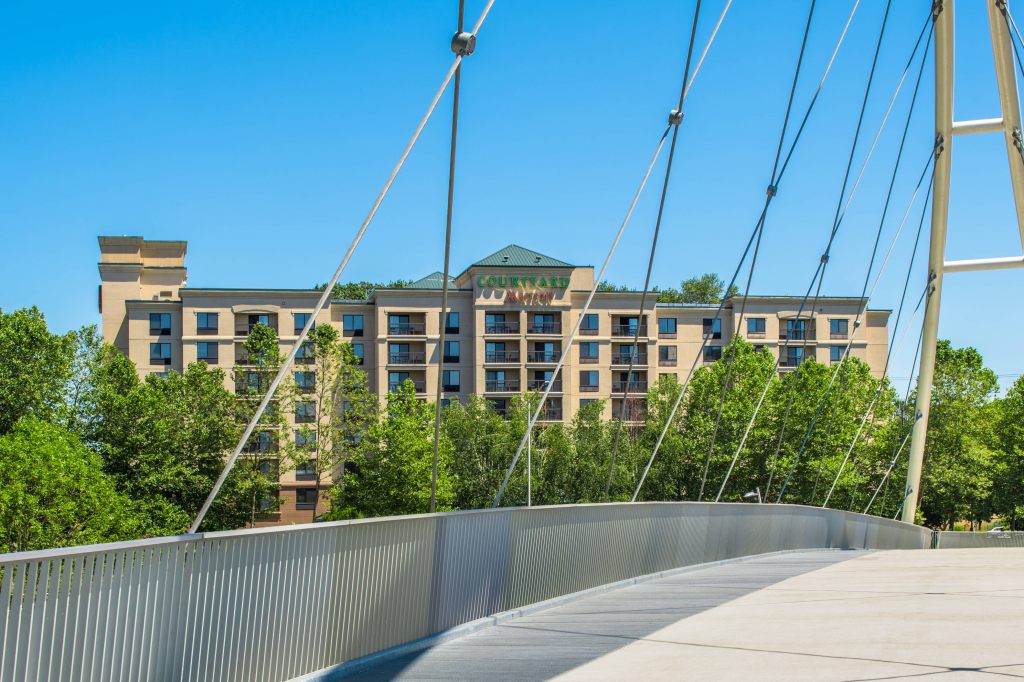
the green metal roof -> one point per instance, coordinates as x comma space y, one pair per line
515, 256
434, 280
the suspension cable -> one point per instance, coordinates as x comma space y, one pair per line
772, 191
867, 275
463, 45
675, 119
772, 184
325, 296
892, 347
586, 307
820, 270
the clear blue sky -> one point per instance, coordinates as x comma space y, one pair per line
261, 131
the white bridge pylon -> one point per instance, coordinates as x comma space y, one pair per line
946, 130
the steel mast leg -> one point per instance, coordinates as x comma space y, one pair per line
937, 250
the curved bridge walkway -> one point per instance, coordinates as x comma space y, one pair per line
816, 615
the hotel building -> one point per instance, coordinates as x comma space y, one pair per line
511, 316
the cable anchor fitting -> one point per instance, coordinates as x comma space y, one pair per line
772, 190
675, 117
824, 259
940, 145
463, 43
936, 9
1018, 140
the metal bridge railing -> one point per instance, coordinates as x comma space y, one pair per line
275, 603
948, 539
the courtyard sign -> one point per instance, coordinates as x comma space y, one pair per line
513, 281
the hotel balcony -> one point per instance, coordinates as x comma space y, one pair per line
634, 386
541, 385
542, 328
628, 330
635, 413
502, 386
502, 357
419, 384
548, 357
622, 357
408, 358
406, 328
551, 413
245, 323
505, 328
810, 333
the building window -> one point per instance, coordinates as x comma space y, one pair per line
495, 381
160, 324
712, 353
586, 401
796, 329
300, 320
158, 375
306, 470
258, 319
305, 381
755, 326
359, 352
589, 325
500, 406
159, 353
589, 351
352, 325
450, 380
451, 323
305, 411
794, 356
667, 326
261, 442
544, 323
494, 323
207, 323
835, 353
839, 328
713, 327
305, 352
305, 498
667, 356
588, 381
451, 351
206, 351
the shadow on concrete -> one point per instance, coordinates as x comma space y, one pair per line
545, 644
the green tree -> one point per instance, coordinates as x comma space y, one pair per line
266, 454
392, 469
1008, 473
708, 288
485, 442
957, 479
345, 409
35, 367
53, 492
360, 291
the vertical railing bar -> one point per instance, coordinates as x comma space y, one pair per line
123, 612
161, 643
6, 614
200, 578
75, 665
183, 570
98, 611
25, 631
111, 616
222, 588
51, 618
254, 641
134, 614
294, 561
274, 610
60, 624
143, 625
14, 630
229, 650
38, 626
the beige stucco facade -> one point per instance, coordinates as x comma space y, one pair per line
515, 312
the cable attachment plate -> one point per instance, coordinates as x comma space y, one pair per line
463, 43
940, 145
675, 117
1018, 140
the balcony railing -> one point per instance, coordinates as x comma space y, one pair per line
798, 334
588, 331
636, 414
244, 329
542, 384
413, 358
502, 356
543, 356
501, 328
620, 386
589, 360
839, 335
551, 414
628, 330
502, 386
420, 386
544, 328
589, 388
790, 362
621, 358
407, 328
668, 362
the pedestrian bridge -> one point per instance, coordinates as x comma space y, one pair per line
577, 592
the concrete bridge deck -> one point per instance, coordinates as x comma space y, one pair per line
816, 615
